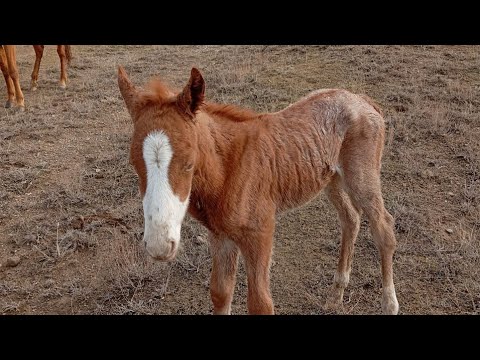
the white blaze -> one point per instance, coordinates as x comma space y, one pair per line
162, 209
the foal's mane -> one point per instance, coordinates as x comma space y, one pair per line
156, 92
231, 112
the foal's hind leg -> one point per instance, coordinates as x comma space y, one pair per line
38, 58
8, 81
63, 65
350, 224
224, 270
362, 182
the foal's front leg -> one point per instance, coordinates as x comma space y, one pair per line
224, 269
257, 252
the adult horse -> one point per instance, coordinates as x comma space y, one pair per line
8, 65
65, 55
234, 170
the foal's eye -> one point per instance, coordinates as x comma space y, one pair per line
189, 167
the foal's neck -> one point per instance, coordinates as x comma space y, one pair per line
209, 175
220, 140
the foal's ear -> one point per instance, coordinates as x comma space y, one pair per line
190, 99
129, 93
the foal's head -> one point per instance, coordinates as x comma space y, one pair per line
163, 152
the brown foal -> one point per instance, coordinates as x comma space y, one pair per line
234, 170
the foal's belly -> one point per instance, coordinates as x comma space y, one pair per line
294, 203
305, 160
303, 189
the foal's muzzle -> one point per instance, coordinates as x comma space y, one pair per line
165, 250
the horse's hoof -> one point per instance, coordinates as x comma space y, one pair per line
21, 108
9, 104
389, 302
390, 306
34, 88
63, 85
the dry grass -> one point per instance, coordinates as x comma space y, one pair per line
69, 203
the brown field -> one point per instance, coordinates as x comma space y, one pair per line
71, 210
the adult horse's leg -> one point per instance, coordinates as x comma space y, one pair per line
361, 164
10, 88
257, 251
350, 224
38, 58
63, 65
10, 53
224, 270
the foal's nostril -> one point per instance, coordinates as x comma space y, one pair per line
172, 246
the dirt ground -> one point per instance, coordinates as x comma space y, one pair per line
71, 211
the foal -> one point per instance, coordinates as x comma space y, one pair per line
234, 170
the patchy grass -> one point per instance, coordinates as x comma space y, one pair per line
70, 208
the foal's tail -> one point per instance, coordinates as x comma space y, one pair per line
68, 53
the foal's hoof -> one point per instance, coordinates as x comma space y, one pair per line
389, 303
9, 104
63, 85
390, 308
33, 88
21, 108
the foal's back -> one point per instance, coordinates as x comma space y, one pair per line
308, 142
